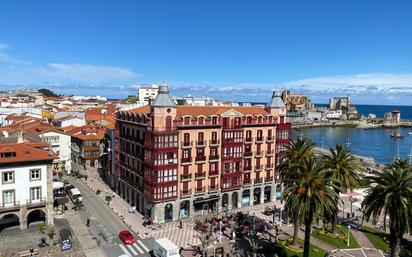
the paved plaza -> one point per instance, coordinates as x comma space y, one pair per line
186, 236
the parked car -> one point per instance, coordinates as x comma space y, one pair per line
75, 195
65, 239
67, 188
126, 237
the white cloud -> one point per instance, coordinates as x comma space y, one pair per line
359, 83
76, 72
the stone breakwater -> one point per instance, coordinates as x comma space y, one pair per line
353, 124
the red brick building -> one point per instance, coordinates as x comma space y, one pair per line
178, 161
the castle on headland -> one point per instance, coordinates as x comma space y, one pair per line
341, 108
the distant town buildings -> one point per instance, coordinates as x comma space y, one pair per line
147, 93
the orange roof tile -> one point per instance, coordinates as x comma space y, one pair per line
183, 110
24, 152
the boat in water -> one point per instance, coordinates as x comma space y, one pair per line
396, 136
410, 133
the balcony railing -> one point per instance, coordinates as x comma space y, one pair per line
270, 153
201, 143
186, 176
36, 203
213, 173
248, 154
200, 190
247, 168
186, 160
184, 193
269, 166
187, 144
248, 140
259, 153
229, 171
200, 158
213, 188
200, 175
213, 157
258, 181
270, 139
5, 207
247, 183
214, 142
258, 167
259, 140
268, 179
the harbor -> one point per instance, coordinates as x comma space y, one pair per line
375, 145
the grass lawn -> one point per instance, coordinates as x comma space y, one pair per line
283, 252
376, 236
340, 243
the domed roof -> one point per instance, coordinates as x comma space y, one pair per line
276, 101
163, 99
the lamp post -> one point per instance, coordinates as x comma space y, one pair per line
280, 216
348, 234
214, 248
220, 232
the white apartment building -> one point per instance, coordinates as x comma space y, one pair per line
334, 114
147, 93
26, 185
60, 144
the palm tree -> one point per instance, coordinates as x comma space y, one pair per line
392, 195
310, 191
400, 163
344, 171
298, 151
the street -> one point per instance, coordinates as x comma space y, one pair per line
105, 226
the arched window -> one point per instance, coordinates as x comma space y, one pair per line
168, 123
260, 119
249, 120
201, 121
187, 121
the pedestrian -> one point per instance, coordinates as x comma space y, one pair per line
88, 222
181, 224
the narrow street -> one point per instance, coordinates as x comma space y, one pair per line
105, 225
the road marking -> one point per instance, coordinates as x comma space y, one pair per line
137, 247
132, 249
143, 246
125, 250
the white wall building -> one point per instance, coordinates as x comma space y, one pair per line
60, 143
26, 185
334, 114
69, 121
147, 93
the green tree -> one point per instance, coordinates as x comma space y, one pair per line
298, 150
344, 170
392, 195
400, 163
47, 92
312, 193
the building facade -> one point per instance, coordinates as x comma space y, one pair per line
86, 146
26, 185
174, 162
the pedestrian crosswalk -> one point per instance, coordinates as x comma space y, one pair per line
138, 248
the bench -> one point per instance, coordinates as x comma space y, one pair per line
35, 252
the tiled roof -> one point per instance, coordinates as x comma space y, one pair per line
24, 152
183, 110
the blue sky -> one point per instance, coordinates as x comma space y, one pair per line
238, 50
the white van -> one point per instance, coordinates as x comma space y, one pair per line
165, 248
75, 195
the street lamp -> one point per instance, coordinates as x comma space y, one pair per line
348, 234
220, 232
214, 248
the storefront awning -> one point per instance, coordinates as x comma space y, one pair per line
204, 200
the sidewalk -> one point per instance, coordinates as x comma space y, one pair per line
82, 233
